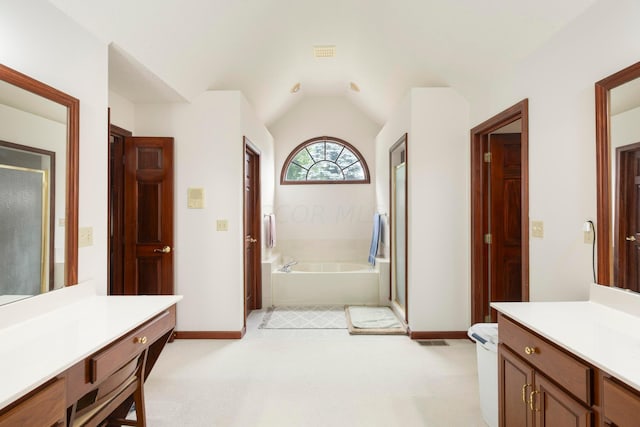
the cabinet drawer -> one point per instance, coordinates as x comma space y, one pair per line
570, 373
620, 405
43, 408
106, 362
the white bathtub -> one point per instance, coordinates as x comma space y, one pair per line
324, 284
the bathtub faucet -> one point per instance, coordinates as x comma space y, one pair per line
287, 267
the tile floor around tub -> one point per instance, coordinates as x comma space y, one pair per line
313, 378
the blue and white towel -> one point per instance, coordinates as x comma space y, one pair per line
375, 238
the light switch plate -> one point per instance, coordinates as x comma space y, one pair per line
537, 229
222, 225
85, 236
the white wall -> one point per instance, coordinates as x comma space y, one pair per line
397, 125
324, 222
436, 120
439, 247
40, 41
559, 81
122, 111
209, 154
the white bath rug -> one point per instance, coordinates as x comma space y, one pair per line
305, 317
373, 321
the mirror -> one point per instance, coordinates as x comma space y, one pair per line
617, 165
38, 187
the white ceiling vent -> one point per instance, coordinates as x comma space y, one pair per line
325, 51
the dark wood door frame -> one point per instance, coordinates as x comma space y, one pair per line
115, 250
256, 222
479, 135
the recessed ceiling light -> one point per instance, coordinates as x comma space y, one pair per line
324, 51
354, 87
295, 88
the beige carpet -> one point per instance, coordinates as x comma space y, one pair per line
365, 320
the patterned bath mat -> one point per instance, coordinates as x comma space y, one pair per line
363, 320
305, 317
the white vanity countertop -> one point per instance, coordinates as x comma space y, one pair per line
35, 350
605, 334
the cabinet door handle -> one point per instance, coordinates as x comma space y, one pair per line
531, 402
524, 393
530, 350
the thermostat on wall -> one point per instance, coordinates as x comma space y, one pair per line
195, 198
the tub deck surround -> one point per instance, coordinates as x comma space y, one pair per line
601, 331
37, 349
326, 283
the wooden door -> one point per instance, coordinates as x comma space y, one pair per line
148, 197
504, 216
514, 390
627, 244
554, 408
252, 222
515, 117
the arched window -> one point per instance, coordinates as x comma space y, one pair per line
325, 160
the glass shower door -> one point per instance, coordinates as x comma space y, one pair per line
399, 235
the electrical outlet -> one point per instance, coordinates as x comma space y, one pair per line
222, 225
85, 236
588, 237
537, 229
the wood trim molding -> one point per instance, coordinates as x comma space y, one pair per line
478, 133
118, 130
209, 335
438, 335
603, 169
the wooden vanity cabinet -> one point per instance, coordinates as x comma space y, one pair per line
540, 384
108, 382
44, 407
620, 404
100, 388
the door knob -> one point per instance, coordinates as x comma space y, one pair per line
630, 238
250, 239
164, 250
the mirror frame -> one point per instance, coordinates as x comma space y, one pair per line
72, 104
603, 168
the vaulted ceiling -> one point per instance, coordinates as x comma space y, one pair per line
264, 47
